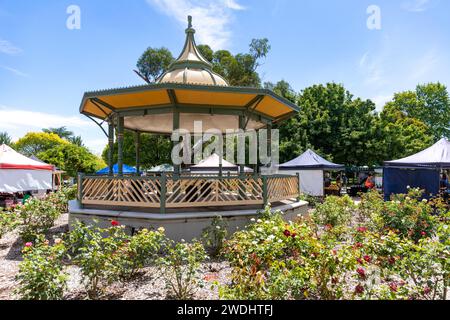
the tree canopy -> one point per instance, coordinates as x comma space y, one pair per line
34, 143
154, 150
153, 62
72, 159
5, 138
430, 104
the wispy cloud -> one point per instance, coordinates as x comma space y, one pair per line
380, 100
211, 19
416, 5
11, 118
16, 72
425, 65
7, 47
372, 68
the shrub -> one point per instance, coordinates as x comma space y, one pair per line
213, 237
41, 275
8, 221
312, 200
141, 250
95, 250
36, 217
334, 211
180, 268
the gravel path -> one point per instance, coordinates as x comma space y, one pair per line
146, 286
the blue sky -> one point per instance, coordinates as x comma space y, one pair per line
45, 68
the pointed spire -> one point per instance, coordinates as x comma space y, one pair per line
191, 62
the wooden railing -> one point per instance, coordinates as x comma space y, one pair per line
162, 191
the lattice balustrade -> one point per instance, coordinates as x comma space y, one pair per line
282, 188
186, 191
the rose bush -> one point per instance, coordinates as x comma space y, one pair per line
8, 221
180, 265
213, 236
41, 275
375, 250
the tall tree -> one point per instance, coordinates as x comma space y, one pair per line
72, 159
334, 123
5, 138
34, 143
430, 104
153, 62
62, 132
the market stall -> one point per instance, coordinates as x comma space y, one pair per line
312, 170
422, 170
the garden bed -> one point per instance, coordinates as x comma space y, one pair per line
146, 285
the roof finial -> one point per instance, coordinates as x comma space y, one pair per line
189, 21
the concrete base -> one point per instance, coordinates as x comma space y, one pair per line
181, 225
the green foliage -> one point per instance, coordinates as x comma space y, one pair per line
95, 249
155, 149
37, 216
430, 104
8, 221
34, 143
41, 275
139, 251
334, 211
153, 62
312, 200
272, 259
180, 266
61, 132
333, 123
5, 138
72, 159
213, 236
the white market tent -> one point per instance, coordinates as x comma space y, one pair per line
19, 173
210, 165
310, 166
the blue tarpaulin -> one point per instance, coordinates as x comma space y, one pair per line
421, 170
126, 169
397, 180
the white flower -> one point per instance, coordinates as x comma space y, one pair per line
259, 220
252, 219
275, 229
161, 229
267, 222
408, 187
218, 227
254, 243
271, 237
182, 240
259, 230
280, 241
424, 200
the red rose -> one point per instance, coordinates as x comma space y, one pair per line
358, 245
361, 272
328, 227
426, 290
367, 258
287, 233
114, 223
359, 289
334, 280
423, 233
28, 244
393, 286
362, 229
293, 235
391, 260
360, 261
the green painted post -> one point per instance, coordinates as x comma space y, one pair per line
80, 186
163, 181
176, 126
120, 125
111, 147
137, 136
264, 191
